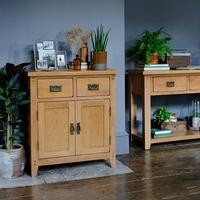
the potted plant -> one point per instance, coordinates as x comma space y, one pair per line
99, 39
151, 47
12, 98
161, 115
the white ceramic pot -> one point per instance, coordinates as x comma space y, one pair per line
12, 162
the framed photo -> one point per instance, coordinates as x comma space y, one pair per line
61, 60
45, 55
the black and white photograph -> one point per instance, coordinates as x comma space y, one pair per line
42, 64
48, 44
45, 55
61, 60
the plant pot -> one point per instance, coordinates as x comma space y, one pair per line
153, 59
12, 162
99, 60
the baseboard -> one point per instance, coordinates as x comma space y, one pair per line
122, 143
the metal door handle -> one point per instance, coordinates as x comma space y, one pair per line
72, 128
78, 128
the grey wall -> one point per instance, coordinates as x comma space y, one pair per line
181, 18
24, 21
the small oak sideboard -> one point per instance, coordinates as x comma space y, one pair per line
147, 84
72, 117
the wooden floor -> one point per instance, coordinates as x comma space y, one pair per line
166, 172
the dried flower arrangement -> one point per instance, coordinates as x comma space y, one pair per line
77, 36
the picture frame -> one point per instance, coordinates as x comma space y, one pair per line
61, 62
45, 55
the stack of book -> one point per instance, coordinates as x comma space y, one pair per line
156, 133
153, 67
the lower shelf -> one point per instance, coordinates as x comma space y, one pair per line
189, 135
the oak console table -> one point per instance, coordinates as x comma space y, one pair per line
154, 83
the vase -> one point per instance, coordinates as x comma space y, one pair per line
77, 63
84, 53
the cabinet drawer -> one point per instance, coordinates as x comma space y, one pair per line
93, 87
194, 82
50, 88
169, 84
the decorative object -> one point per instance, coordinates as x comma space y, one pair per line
84, 65
45, 55
84, 53
151, 47
196, 114
99, 39
77, 63
161, 115
178, 127
12, 99
76, 38
61, 60
12, 162
180, 58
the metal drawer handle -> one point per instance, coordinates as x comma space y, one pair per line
72, 128
55, 88
93, 86
78, 128
170, 83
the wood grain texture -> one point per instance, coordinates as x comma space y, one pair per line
160, 83
65, 100
166, 172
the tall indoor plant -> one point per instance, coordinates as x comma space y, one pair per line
151, 47
12, 98
99, 39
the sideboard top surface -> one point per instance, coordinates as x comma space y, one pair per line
165, 72
72, 73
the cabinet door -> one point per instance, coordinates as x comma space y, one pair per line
93, 116
55, 138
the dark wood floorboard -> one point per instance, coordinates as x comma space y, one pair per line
166, 172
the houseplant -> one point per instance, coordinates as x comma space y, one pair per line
150, 46
161, 115
99, 39
12, 98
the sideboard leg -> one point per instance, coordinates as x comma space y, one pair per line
146, 113
34, 170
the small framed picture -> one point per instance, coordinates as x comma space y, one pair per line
61, 60
45, 55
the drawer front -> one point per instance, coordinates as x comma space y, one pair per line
93, 87
50, 88
194, 82
169, 84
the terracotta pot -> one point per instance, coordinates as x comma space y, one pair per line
99, 60
12, 162
153, 59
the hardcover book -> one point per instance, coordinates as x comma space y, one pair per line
162, 135
156, 131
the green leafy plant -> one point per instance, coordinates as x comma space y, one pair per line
156, 42
12, 97
99, 39
161, 115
